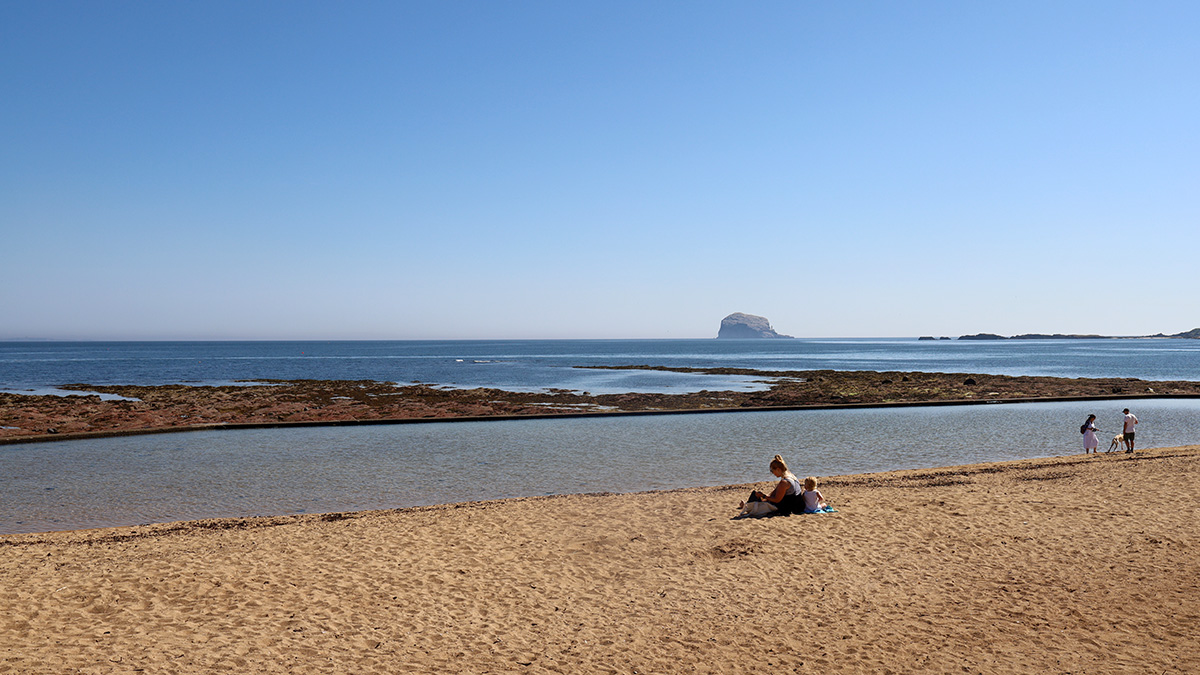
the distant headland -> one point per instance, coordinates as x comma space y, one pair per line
1193, 334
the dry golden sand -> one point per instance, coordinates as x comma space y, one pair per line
1071, 564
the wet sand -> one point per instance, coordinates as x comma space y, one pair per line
1077, 564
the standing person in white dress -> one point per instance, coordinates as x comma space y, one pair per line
1090, 442
1130, 422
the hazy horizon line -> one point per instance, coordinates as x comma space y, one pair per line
939, 338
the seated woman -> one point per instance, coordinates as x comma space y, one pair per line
783, 499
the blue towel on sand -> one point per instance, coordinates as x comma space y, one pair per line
823, 509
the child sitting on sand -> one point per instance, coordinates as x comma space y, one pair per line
814, 501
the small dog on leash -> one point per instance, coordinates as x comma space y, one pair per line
1116, 442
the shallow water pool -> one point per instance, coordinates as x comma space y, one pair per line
232, 473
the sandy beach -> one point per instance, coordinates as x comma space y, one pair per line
1076, 564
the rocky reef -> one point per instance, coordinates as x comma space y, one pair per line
304, 402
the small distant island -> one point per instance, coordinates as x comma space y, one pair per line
1193, 334
739, 326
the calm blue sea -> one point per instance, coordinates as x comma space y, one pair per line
523, 365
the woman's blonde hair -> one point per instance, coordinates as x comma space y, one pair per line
810, 483
778, 463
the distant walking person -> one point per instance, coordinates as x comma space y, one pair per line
1130, 422
1090, 442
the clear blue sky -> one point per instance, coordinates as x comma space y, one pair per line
392, 170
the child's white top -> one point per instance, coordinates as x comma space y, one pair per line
812, 499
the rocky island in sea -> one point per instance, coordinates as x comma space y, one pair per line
741, 326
